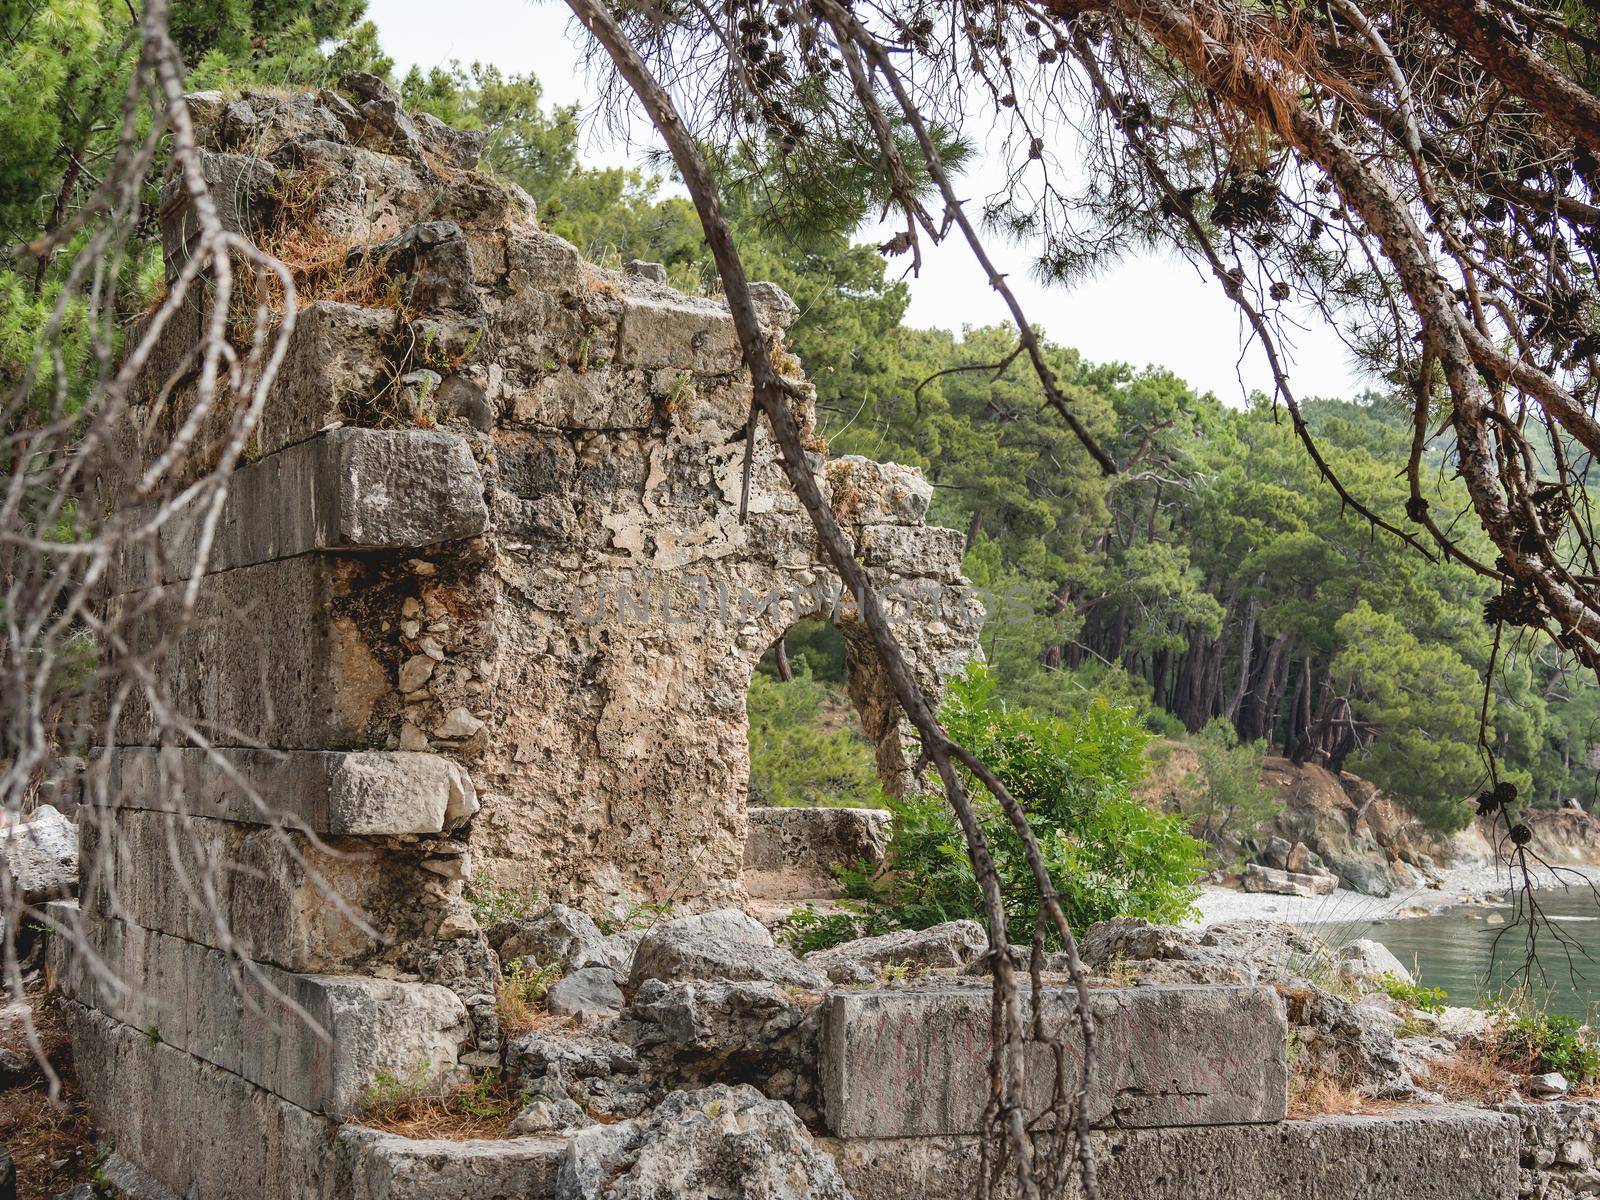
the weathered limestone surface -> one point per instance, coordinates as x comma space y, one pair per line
790, 853
194, 1129
1430, 1154
370, 489
1560, 1148
329, 792
591, 651
915, 1063
322, 1057
274, 888
383, 1166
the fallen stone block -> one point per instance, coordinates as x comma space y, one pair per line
317, 1041
718, 1141
192, 1128
725, 944
561, 935
588, 994
915, 1063
282, 898
384, 1166
791, 853
952, 944
1257, 878
39, 857
1419, 1154
347, 489
330, 792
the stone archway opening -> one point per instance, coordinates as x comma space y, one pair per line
808, 746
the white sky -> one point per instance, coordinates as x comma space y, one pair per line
1152, 309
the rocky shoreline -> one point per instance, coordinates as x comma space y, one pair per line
1454, 887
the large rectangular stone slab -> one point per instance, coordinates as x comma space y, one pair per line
329, 792
915, 1063
190, 1127
345, 489
278, 896
385, 1166
793, 853
272, 655
317, 1041
1419, 1154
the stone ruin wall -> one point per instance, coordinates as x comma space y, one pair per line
481, 606
582, 645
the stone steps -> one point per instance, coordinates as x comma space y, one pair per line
915, 1062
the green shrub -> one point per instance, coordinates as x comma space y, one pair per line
1107, 854
1414, 995
805, 929
1537, 1042
1225, 801
804, 746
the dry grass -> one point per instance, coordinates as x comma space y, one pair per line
475, 1110
1471, 1074
1322, 1096
52, 1145
520, 999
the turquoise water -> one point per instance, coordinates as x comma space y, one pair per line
1457, 949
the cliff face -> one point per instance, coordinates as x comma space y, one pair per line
1375, 847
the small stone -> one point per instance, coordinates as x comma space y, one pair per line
432, 647
591, 994
1548, 1086
548, 1116
415, 672
412, 738
458, 723
639, 269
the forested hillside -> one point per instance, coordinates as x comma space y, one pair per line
1218, 584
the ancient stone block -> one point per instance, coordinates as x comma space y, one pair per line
334, 362
241, 189
667, 330
385, 1166
317, 1041
607, 398
874, 493
916, 1063
346, 489
333, 792
273, 654
282, 899
1420, 1154
192, 1128
791, 853
924, 550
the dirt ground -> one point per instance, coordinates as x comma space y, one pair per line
51, 1143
